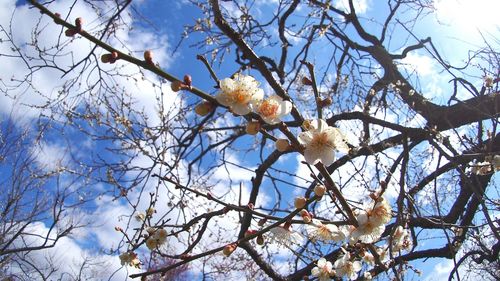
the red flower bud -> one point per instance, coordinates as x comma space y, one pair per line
70, 32
306, 81
148, 56
229, 249
188, 80
78, 23
250, 232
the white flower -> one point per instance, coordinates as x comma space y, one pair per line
344, 266
367, 230
368, 258
285, 236
367, 275
140, 217
401, 240
156, 238
488, 81
321, 141
323, 270
273, 108
240, 93
380, 213
482, 168
151, 243
319, 231
130, 258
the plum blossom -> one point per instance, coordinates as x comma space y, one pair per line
344, 266
401, 240
482, 168
130, 259
156, 238
273, 109
323, 270
380, 213
372, 221
285, 236
321, 141
368, 230
369, 259
240, 94
324, 232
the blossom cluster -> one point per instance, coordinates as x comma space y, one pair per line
371, 220
489, 165
242, 95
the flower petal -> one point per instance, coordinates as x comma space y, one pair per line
285, 108
240, 109
319, 124
315, 272
305, 138
227, 85
312, 155
327, 157
223, 99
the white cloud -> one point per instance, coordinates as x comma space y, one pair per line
361, 6
421, 64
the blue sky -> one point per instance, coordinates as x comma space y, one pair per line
161, 33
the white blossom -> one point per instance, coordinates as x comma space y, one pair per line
324, 232
345, 267
380, 213
285, 236
321, 141
367, 231
130, 259
273, 109
240, 93
401, 240
323, 270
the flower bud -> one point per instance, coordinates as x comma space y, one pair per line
252, 127
306, 216
148, 56
58, 18
488, 82
78, 23
300, 202
176, 86
203, 108
229, 249
325, 102
306, 81
320, 190
70, 32
260, 240
262, 222
282, 145
307, 125
250, 232
188, 80
119, 229
106, 58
